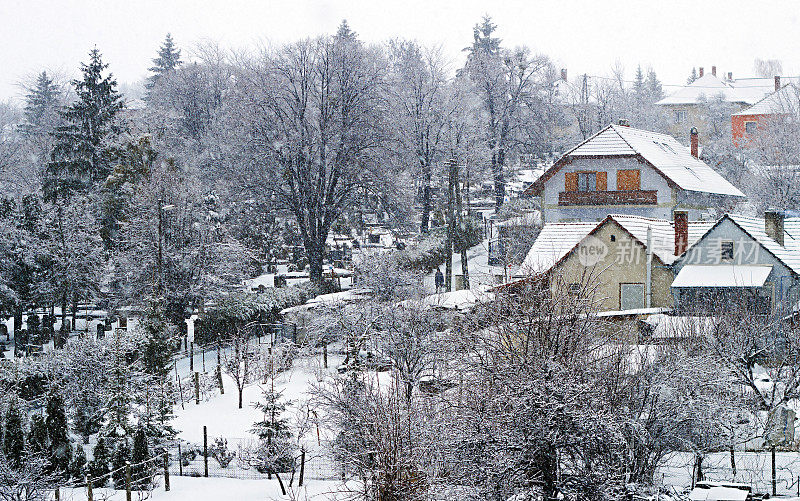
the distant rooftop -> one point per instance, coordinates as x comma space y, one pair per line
784, 100
741, 91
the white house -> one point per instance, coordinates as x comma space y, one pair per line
623, 170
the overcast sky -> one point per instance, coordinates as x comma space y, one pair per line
587, 36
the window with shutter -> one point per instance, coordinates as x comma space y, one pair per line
628, 180
571, 181
602, 181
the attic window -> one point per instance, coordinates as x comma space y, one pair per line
726, 250
680, 116
750, 127
613, 238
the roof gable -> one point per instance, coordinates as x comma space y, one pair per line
788, 254
557, 241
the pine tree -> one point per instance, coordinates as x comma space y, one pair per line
13, 437
169, 58
77, 470
80, 158
122, 455
41, 103
99, 466
653, 86
139, 455
638, 82
276, 448
692, 76
37, 435
57, 432
157, 350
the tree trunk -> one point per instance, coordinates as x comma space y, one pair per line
448, 276
241, 390
426, 197
18, 337
315, 251
499, 179
62, 337
462, 231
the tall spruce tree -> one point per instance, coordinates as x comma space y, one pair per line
99, 465
57, 432
80, 158
13, 438
169, 58
139, 455
41, 105
37, 435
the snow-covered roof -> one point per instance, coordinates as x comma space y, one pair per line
670, 326
789, 252
456, 300
742, 91
671, 159
786, 100
556, 240
723, 275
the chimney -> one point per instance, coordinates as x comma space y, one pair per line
773, 225
714, 70
730, 76
564, 74
624, 122
693, 141
680, 220
701, 72
777, 82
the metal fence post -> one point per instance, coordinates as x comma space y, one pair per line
302, 466
180, 461
197, 388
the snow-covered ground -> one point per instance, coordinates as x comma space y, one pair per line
221, 489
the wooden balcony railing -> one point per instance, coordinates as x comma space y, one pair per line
628, 197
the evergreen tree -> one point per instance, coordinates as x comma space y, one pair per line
122, 455
638, 84
13, 437
140, 454
37, 435
653, 86
77, 470
273, 426
169, 58
692, 76
99, 466
80, 158
41, 105
57, 432
157, 350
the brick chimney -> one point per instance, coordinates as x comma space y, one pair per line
680, 220
624, 122
773, 225
777, 82
714, 70
701, 72
693, 141
564, 74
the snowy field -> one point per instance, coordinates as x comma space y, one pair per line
219, 489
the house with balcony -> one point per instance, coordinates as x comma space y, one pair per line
623, 170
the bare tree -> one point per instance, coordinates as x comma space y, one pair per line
310, 114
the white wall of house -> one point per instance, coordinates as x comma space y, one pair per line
649, 180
